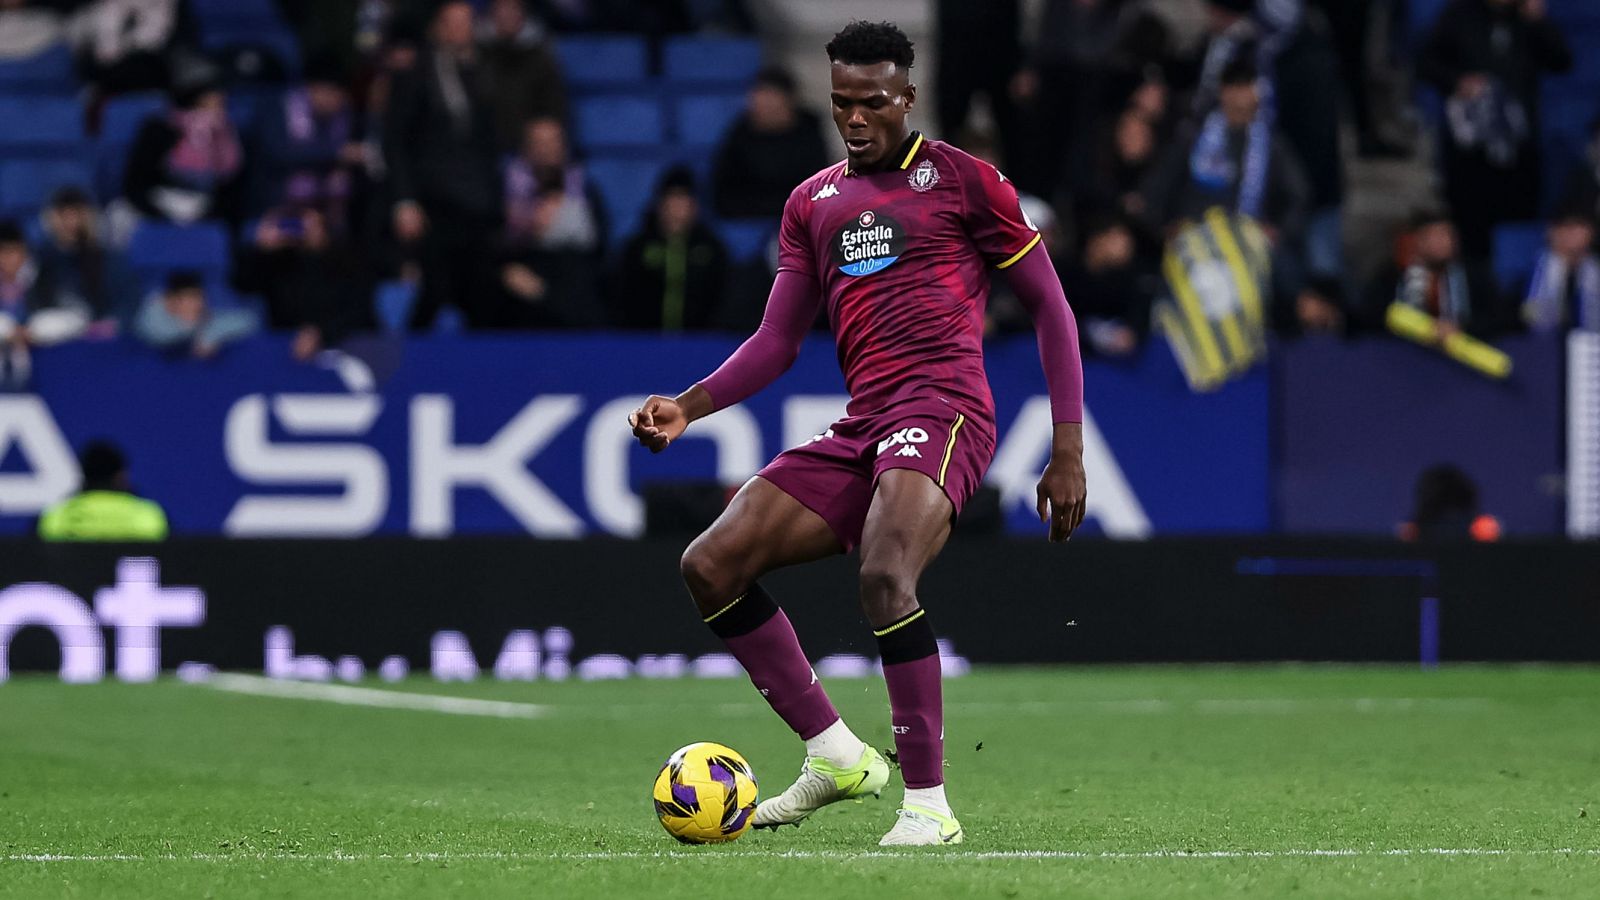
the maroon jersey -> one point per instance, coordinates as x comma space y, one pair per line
902, 256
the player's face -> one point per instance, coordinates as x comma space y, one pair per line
870, 104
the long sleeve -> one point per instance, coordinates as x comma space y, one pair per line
1034, 281
791, 308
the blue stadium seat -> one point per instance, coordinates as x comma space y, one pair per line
747, 239
26, 184
209, 11
603, 60
157, 248
40, 124
1517, 246
726, 61
119, 125
624, 120
47, 71
702, 119
626, 186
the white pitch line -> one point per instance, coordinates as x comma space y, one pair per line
715, 854
360, 696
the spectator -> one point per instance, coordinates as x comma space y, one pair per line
554, 232
313, 148
964, 26
674, 270
1111, 291
1446, 509
774, 145
1068, 81
1293, 51
186, 164
314, 279
105, 507
1117, 170
27, 29
523, 70
86, 273
1237, 161
1430, 274
1565, 290
1582, 186
123, 45
439, 140
180, 317
1487, 57
30, 312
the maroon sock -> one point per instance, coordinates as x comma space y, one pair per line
760, 637
916, 701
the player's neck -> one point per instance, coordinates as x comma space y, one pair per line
890, 160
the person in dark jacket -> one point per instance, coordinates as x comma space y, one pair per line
523, 72
1430, 274
1487, 57
440, 143
187, 164
772, 147
674, 271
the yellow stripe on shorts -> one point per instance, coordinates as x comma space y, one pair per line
950, 446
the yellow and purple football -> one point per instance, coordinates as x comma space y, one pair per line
705, 794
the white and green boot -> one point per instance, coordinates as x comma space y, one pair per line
919, 827
821, 783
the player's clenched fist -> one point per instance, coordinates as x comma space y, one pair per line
657, 422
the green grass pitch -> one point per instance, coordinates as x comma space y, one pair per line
1272, 782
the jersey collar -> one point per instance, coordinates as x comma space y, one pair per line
906, 152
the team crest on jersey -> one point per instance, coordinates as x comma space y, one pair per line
869, 244
923, 177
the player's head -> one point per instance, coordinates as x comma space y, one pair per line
872, 90
1239, 98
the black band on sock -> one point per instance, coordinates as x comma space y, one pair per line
749, 611
907, 639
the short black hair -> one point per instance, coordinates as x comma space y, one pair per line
864, 43
184, 280
777, 78
11, 232
101, 461
1240, 70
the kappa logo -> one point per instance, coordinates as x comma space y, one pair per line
827, 191
906, 439
821, 437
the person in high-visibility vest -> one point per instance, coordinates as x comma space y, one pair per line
105, 508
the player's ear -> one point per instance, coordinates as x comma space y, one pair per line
909, 95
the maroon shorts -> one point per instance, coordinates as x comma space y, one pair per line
835, 473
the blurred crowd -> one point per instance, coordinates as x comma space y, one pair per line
419, 156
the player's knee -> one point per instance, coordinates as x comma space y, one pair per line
708, 575
887, 591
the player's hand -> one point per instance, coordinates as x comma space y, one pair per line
1063, 490
658, 422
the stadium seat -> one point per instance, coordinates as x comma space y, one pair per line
392, 303
48, 71
626, 186
620, 121
26, 184
231, 11
157, 248
747, 239
726, 61
275, 39
604, 61
53, 123
1420, 16
119, 125
1517, 246
701, 120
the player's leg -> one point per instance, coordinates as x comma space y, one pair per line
906, 526
764, 529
